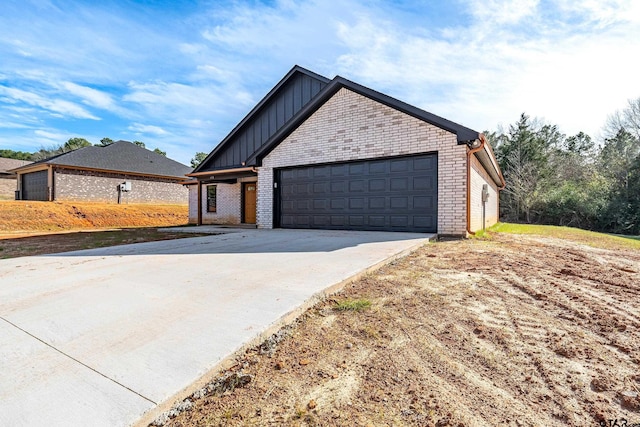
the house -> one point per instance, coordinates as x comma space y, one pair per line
121, 172
8, 179
333, 154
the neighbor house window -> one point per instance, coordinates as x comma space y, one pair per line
211, 198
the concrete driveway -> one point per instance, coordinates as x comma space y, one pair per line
99, 337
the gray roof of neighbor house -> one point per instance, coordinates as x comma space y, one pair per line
121, 156
298, 95
7, 164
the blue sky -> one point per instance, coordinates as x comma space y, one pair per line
179, 75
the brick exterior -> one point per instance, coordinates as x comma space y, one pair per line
77, 185
228, 203
8, 186
479, 177
352, 127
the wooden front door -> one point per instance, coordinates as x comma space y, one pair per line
249, 198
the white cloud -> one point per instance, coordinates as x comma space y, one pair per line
90, 96
502, 11
482, 75
141, 129
56, 107
53, 137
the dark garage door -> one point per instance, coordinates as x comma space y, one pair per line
394, 194
34, 186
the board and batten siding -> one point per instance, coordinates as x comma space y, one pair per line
294, 95
349, 127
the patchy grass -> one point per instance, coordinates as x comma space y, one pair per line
591, 238
64, 242
353, 305
519, 330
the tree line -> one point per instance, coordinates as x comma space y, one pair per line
551, 178
570, 180
70, 145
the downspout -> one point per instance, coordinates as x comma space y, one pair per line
469, 154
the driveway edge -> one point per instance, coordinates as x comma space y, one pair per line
285, 320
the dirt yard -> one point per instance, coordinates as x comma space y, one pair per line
27, 217
515, 331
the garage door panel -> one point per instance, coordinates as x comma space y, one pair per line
339, 170
356, 221
423, 202
377, 203
357, 186
426, 164
423, 183
399, 202
388, 194
338, 220
399, 184
338, 203
319, 204
399, 221
377, 221
339, 187
377, 184
399, 165
356, 169
356, 203
378, 167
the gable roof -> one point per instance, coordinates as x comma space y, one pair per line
7, 164
255, 151
121, 156
462, 133
297, 88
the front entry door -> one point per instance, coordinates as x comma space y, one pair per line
249, 197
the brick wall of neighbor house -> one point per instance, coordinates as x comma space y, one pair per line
8, 186
351, 127
228, 203
479, 176
79, 185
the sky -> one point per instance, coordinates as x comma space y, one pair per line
179, 75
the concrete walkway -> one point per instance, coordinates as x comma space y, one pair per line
99, 337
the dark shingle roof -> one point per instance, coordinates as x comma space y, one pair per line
121, 156
8, 164
330, 87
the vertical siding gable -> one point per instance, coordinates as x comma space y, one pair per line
292, 97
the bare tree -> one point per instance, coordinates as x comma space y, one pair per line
627, 119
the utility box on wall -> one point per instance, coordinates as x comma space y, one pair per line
125, 186
485, 193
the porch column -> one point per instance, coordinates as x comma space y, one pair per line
199, 202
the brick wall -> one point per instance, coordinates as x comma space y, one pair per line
8, 186
228, 203
351, 127
103, 187
479, 177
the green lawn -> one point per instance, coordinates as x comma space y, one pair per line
575, 234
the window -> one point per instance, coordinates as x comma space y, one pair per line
211, 198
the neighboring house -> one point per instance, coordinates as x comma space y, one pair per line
332, 154
8, 179
118, 173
